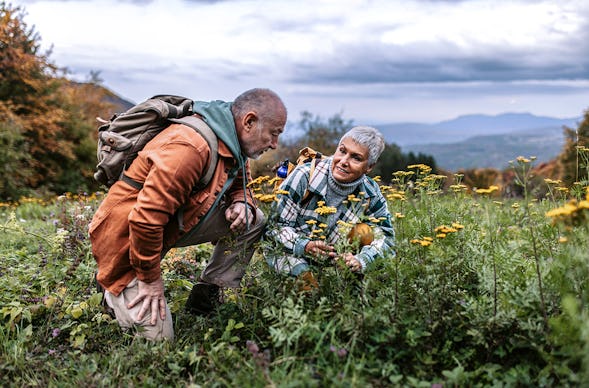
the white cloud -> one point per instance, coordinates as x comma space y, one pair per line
377, 59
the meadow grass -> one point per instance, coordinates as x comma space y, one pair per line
482, 291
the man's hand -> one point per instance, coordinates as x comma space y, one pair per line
319, 248
152, 295
236, 214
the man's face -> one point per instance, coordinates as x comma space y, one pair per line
350, 161
262, 136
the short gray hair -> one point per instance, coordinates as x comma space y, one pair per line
367, 137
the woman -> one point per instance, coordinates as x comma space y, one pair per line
314, 210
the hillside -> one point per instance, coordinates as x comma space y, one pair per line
495, 150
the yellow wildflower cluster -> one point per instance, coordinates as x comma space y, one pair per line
323, 210
403, 174
392, 194
459, 188
443, 230
572, 213
423, 168
317, 231
424, 242
265, 198
524, 160
490, 190
258, 181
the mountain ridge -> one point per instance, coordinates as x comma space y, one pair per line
467, 126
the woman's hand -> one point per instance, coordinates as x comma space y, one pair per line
351, 261
319, 248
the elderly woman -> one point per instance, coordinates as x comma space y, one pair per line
314, 208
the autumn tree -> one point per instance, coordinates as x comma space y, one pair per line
573, 159
45, 124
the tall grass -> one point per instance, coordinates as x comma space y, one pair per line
482, 291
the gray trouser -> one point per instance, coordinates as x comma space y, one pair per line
232, 252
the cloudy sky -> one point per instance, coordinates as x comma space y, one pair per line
373, 61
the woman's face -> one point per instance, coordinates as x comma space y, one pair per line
350, 161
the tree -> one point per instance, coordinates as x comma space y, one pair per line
392, 160
48, 119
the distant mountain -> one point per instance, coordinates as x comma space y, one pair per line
464, 127
495, 151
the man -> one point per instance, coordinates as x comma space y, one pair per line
134, 227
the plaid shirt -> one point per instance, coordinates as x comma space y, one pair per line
293, 211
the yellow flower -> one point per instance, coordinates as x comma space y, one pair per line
521, 159
344, 224
311, 222
490, 190
563, 240
441, 235
322, 225
324, 210
267, 198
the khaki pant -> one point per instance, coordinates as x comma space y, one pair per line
127, 317
226, 268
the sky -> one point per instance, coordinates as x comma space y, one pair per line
371, 61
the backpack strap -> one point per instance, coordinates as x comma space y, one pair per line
207, 133
306, 196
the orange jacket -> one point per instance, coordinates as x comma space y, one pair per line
132, 228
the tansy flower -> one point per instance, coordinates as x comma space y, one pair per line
490, 190
267, 198
324, 210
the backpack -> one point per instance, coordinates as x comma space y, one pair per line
306, 155
122, 137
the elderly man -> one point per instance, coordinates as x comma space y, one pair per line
136, 225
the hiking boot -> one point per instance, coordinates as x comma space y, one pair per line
203, 298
